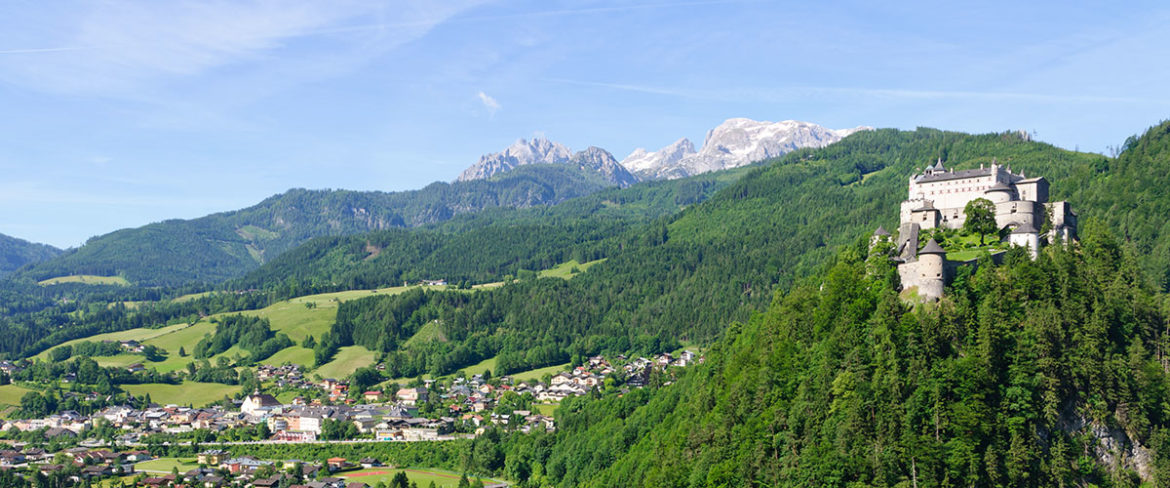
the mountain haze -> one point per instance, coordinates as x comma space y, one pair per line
15, 253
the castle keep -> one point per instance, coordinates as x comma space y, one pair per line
937, 198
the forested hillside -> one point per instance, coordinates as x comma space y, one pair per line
686, 278
227, 245
1035, 373
1045, 373
1132, 194
15, 253
485, 246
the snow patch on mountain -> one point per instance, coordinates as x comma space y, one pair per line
734, 143
544, 151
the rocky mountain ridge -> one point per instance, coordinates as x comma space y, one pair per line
540, 150
735, 142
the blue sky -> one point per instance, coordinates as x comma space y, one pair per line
117, 114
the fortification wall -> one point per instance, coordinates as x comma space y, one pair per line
1019, 212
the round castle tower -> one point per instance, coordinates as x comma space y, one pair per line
1025, 235
931, 270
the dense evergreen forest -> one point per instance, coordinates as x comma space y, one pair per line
15, 253
1022, 376
487, 245
226, 245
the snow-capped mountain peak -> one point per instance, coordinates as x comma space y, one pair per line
736, 142
647, 165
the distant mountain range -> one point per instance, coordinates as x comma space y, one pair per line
15, 253
528, 173
543, 151
225, 245
734, 143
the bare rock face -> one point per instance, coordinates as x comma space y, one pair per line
544, 151
522, 152
660, 164
734, 143
601, 161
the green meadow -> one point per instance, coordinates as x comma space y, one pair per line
186, 393
565, 270
86, 279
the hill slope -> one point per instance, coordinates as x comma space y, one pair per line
225, 245
1044, 373
686, 278
15, 253
485, 246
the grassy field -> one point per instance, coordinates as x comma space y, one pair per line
86, 279
423, 477
252, 232
969, 254
430, 332
121, 360
546, 409
293, 355
192, 296
140, 335
565, 270
166, 465
10, 394
291, 317
480, 367
187, 393
348, 360
536, 374
185, 338
298, 321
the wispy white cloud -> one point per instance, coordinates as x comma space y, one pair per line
121, 48
488, 102
796, 93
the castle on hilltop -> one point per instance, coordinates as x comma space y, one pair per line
937, 198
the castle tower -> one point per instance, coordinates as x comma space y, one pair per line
999, 193
931, 270
1024, 235
881, 234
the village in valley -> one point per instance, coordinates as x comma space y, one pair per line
126, 441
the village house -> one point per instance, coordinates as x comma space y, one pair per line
258, 404
412, 396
